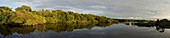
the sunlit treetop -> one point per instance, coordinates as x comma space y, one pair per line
24, 8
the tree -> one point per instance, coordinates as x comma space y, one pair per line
25, 16
5, 13
24, 8
5, 9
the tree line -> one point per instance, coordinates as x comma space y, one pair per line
24, 15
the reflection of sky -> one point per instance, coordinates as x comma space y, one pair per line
114, 31
1, 36
149, 9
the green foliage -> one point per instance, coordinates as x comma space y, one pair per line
16, 19
24, 8
5, 9
25, 16
51, 20
5, 13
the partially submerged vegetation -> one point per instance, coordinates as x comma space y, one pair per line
160, 23
24, 15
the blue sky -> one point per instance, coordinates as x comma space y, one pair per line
132, 9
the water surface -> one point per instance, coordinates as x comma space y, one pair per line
112, 31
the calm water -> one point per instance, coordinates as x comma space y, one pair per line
113, 31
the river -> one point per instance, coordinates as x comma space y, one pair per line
119, 30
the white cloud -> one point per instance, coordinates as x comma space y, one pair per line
98, 7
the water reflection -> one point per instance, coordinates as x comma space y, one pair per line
7, 30
159, 27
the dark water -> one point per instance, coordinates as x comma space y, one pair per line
83, 31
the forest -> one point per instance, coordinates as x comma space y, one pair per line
24, 15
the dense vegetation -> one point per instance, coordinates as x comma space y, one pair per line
24, 15
162, 22
160, 25
133, 20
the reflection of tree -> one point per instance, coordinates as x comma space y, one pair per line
8, 30
5, 30
160, 29
160, 25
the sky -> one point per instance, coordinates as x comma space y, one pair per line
129, 9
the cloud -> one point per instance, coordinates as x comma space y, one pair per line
111, 8
98, 7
